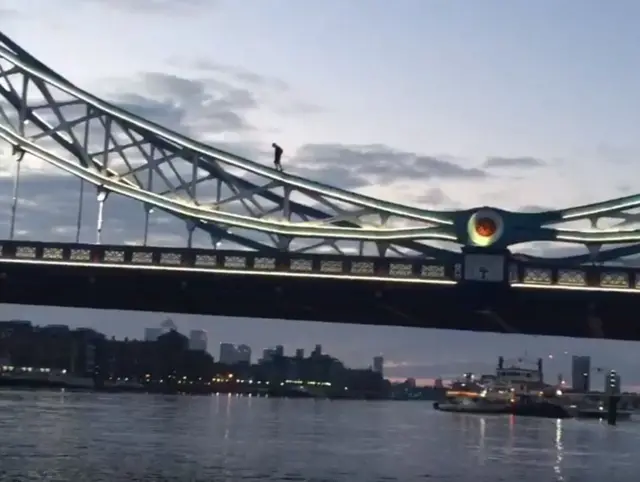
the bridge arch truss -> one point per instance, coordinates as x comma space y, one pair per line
245, 203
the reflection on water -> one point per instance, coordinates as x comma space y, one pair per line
557, 468
67, 437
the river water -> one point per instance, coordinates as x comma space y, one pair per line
57, 436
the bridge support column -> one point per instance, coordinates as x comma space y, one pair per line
148, 209
79, 220
284, 242
286, 203
102, 197
383, 247
191, 227
17, 154
215, 240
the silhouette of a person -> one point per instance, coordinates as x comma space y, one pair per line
277, 156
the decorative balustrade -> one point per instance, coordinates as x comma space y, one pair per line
418, 270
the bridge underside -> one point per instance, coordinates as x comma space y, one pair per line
503, 310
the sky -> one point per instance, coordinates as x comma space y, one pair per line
439, 104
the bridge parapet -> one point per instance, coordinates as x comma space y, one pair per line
601, 277
519, 274
228, 261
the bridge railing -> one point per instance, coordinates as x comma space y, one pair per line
602, 277
418, 270
203, 260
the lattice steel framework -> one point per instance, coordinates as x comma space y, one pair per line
246, 203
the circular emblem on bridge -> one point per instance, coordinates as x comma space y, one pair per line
484, 227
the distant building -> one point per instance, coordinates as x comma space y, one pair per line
378, 365
581, 373
228, 354
612, 383
267, 355
152, 334
243, 354
9, 328
300, 353
60, 329
317, 351
198, 340
16, 324
173, 342
438, 383
168, 325
279, 351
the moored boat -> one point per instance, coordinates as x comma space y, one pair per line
514, 389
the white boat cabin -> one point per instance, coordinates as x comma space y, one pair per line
510, 379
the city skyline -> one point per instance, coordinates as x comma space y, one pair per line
391, 342
458, 108
243, 352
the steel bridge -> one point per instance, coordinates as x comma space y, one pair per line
269, 225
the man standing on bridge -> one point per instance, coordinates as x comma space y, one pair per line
277, 156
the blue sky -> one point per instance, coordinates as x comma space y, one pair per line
461, 81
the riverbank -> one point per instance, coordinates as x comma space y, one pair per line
88, 385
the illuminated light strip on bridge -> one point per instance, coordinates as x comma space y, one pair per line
595, 289
400, 270
283, 274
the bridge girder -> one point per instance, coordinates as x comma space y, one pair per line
243, 203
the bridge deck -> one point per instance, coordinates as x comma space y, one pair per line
484, 308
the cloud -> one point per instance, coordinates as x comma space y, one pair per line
6, 13
435, 197
513, 162
239, 74
194, 107
278, 94
207, 104
534, 208
625, 189
354, 166
610, 153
